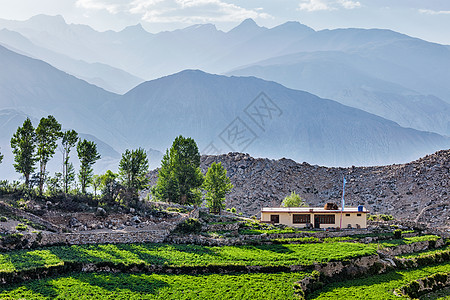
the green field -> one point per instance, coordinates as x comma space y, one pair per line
154, 286
409, 240
425, 253
376, 287
184, 255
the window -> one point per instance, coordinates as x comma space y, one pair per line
347, 215
301, 219
325, 219
358, 215
275, 218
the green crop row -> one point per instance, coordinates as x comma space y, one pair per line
425, 253
408, 240
311, 239
376, 287
154, 286
184, 255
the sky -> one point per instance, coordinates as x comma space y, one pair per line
425, 19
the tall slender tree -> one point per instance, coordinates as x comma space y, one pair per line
110, 187
88, 155
23, 144
217, 186
69, 140
47, 134
133, 168
180, 178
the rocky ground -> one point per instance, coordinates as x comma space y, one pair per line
416, 191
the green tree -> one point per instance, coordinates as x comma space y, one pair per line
47, 134
180, 178
88, 155
110, 187
54, 184
23, 144
133, 168
1, 157
96, 183
293, 200
69, 140
217, 185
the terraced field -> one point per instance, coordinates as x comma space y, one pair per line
157, 286
190, 283
377, 287
184, 255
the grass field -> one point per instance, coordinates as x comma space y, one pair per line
154, 286
376, 287
425, 253
184, 255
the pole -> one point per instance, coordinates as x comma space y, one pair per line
343, 201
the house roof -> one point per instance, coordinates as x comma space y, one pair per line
311, 210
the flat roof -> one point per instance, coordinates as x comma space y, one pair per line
312, 210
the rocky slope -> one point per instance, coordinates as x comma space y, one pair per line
416, 191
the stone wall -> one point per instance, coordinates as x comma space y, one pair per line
410, 248
425, 285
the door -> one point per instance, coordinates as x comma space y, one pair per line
275, 219
316, 222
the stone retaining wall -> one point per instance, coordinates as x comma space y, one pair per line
414, 247
425, 285
154, 236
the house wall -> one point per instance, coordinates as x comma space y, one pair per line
287, 219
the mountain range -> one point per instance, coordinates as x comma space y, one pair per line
398, 77
390, 103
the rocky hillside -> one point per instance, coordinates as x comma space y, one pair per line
417, 191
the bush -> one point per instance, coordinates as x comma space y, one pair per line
397, 234
21, 227
12, 239
233, 210
189, 226
3, 219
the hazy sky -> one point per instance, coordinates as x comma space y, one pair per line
426, 19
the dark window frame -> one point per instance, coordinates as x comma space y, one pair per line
326, 219
275, 219
301, 218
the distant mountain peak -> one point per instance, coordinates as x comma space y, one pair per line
246, 26
293, 26
200, 27
56, 20
248, 22
136, 29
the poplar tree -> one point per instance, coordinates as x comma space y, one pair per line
217, 185
23, 144
47, 134
69, 140
88, 155
180, 178
133, 168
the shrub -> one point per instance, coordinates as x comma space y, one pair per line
3, 219
233, 210
12, 239
190, 225
21, 227
397, 234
